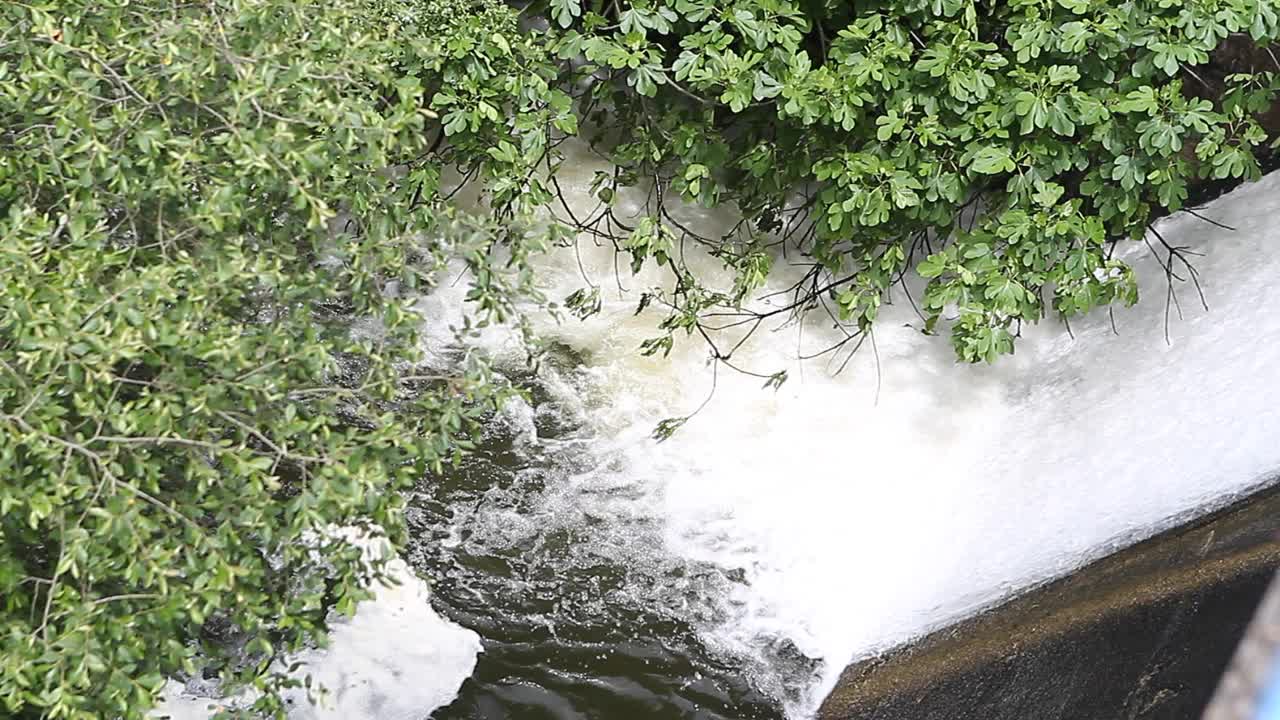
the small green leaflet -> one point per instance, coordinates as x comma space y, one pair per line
564, 11
992, 160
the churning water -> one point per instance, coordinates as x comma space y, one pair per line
735, 569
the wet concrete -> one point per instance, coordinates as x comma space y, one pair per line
1143, 634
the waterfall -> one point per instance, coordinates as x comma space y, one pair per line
865, 508
850, 512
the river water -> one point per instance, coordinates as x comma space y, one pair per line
735, 569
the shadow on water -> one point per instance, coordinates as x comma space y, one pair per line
543, 551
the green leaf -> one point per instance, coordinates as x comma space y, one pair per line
992, 160
932, 266
566, 11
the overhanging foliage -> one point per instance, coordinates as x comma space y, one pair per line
203, 207
1002, 148
201, 203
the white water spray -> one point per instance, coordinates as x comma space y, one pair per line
395, 659
867, 508
864, 509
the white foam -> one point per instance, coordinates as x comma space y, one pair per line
395, 659
869, 508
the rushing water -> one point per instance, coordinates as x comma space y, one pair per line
734, 570
397, 659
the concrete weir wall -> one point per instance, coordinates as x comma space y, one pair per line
1144, 634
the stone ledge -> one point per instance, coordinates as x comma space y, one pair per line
1144, 633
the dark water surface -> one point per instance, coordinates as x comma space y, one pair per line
538, 547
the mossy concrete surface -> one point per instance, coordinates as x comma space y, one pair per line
1145, 633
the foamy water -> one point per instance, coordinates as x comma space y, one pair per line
870, 507
860, 510
395, 659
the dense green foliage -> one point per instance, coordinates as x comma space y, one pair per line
213, 217
1000, 148
200, 372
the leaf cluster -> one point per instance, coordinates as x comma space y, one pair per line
212, 218
1001, 149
